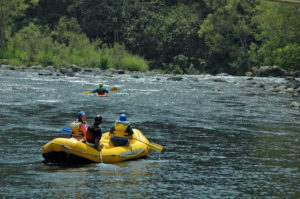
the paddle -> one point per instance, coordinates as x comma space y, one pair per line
66, 130
153, 146
112, 89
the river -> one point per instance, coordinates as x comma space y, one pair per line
221, 139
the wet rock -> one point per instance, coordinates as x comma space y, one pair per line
290, 78
295, 73
6, 67
135, 76
194, 79
74, 68
260, 85
222, 74
249, 74
294, 84
115, 71
280, 89
175, 78
50, 68
295, 105
271, 71
290, 90
22, 68
219, 80
88, 70
35, 68
64, 71
45, 73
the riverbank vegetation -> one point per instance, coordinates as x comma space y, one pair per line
178, 36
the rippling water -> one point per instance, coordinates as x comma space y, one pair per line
221, 140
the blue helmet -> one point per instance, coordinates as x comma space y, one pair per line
123, 117
80, 114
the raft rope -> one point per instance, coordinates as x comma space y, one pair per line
72, 150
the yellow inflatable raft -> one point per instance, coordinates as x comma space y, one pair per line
67, 150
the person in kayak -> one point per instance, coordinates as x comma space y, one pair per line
100, 90
79, 127
121, 133
94, 134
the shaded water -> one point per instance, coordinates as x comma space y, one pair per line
221, 140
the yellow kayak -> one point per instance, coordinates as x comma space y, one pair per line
67, 150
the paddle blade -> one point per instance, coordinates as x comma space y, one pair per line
155, 147
66, 130
114, 89
86, 92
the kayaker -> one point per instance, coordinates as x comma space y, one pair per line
100, 90
79, 127
121, 133
94, 134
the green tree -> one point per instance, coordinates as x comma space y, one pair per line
279, 34
168, 36
102, 19
228, 32
10, 9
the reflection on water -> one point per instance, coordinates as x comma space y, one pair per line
221, 140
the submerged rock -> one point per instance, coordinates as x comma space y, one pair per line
175, 78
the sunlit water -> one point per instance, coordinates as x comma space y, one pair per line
221, 140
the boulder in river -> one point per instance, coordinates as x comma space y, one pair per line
74, 68
295, 105
64, 71
45, 73
271, 71
219, 80
175, 78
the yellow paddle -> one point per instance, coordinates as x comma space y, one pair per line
153, 146
112, 89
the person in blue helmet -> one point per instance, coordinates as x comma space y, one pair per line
121, 133
79, 127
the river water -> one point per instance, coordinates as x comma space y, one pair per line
221, 139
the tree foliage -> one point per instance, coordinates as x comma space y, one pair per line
9, 10
279, 34
179, 36
228, 32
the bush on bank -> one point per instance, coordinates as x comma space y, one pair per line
31, 46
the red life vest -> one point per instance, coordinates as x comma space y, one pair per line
101, 91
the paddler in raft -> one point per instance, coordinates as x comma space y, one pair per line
79, 127
94, 134
100, 90
121, 133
